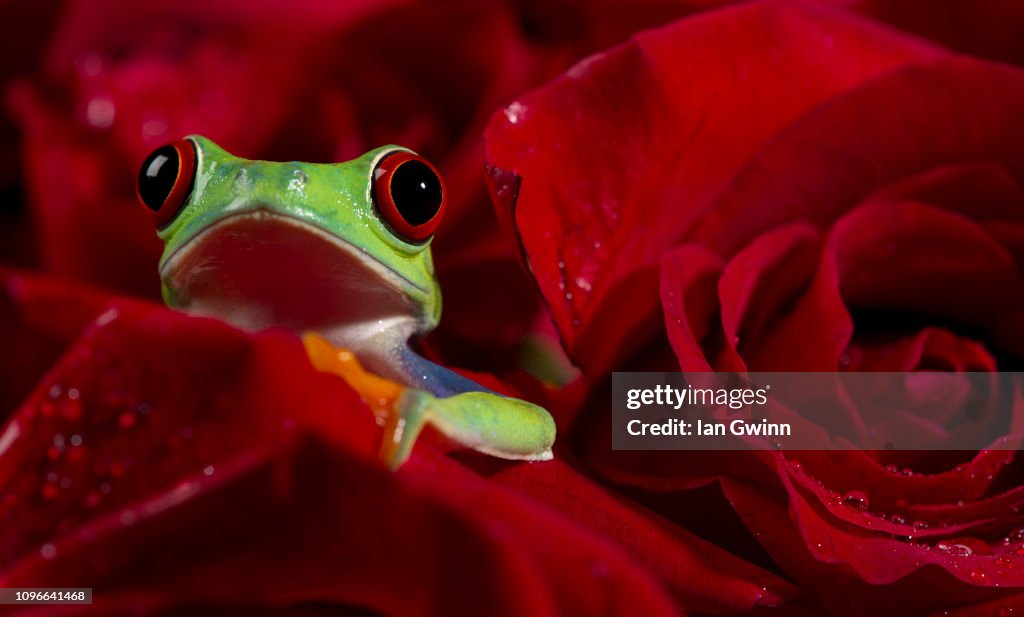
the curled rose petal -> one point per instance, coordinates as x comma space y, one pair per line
668, 149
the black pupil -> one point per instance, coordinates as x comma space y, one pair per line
157, 176
416, 191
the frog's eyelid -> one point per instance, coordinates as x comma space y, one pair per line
384, 153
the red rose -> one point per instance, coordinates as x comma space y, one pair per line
808, 191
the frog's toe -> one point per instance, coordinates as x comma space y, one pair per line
403, 426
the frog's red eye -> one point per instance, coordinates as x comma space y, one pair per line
410, 195
166, 178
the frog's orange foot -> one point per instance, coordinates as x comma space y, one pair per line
382, 395
379, 393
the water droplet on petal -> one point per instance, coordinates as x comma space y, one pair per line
978, 576
954, 550
856, 500
515, 112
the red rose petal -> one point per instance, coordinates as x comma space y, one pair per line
39, 319
676, 132
312, 524
761, 282
870, 137
705, 578
906, 256
689, 278
981, 191
993, 29
290, 509
931, 348
813, 333
887, 576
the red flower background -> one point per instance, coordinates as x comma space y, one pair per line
766, 186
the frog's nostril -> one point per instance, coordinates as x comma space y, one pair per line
243, 179
299, 178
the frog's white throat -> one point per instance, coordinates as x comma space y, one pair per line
260, 269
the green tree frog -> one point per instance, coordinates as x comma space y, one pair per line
341, 254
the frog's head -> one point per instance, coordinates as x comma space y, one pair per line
342, 249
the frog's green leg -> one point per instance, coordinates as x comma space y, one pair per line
484, 421
478, 419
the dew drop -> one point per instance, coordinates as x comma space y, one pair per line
208, 470
48, 551
978, 576
897, 519
955, 550
920, 525
515, 112
856, 500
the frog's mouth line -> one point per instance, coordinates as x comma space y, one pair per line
258, 269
